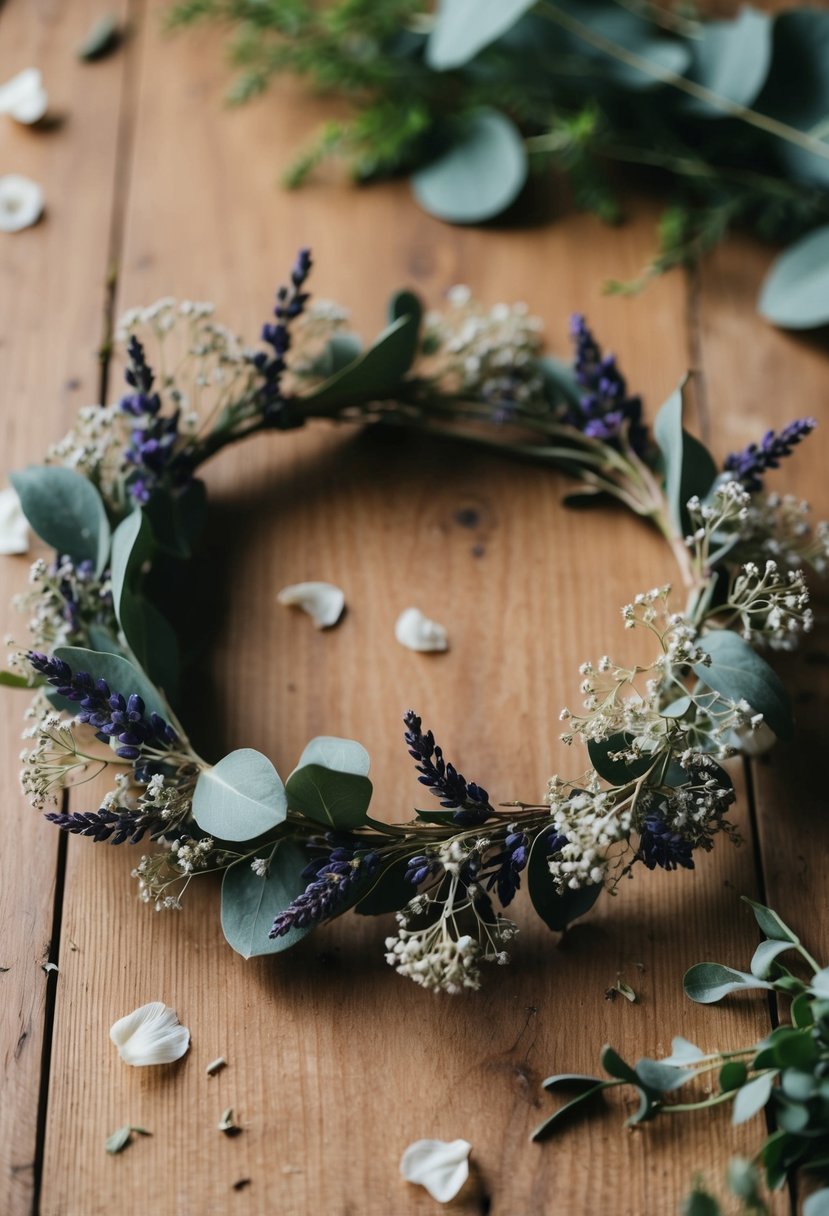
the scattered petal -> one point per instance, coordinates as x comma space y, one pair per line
122, 1137
47, 967
417, 632
227, 1125
216, 1066
21, 202
323, 602
442, 1167
24, 97
150, 1035
14, 529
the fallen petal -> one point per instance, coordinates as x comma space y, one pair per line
323, 602
417, 632
14, 530
151, 1034
21, 202
440, 1166
24, 96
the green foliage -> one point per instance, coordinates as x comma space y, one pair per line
239, 798
119, 674
688, 467
330, 784
739, 673
724, 117
796, 289
250, 904
785, 1075
66, 511
556, 909
150, 637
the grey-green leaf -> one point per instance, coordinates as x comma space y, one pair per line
658, 1075
731, 59
119, 1139
764, 957
66, 511
706, 983
479, 175
770, 923
119, 673
752, 1097
375, 374
688, 465
817, 1204
337, 799
251, 904
240, 797
738, 673
819, 985
795, 292
462, 28
343, 755
683, 1051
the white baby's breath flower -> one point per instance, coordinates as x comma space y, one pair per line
417, 632
440, 1166
24, 97
323, 602
151, 1034
14, 530
21, 202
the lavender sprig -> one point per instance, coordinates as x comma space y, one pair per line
113, 715
606, 411
660, 846
334, 875
290, 304
753, 461
153, 441
114, 826
469, 801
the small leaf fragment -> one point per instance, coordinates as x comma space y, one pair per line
119, 1139
102, 38
216, 1066
227, 1125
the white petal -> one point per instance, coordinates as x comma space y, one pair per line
442, 1167
14, 530
21, 202
323, 602
417, 632
753, 742
150, 1035
24, 96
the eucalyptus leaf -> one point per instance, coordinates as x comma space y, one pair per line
819, 984
764, 956
706, 983
121, 675
731, 59
733, 1074
375, 374
688, 465
148, 633
738, 673
560, 383
700, 1203
336, 799
462, 28
658, 1075
102, 639
770, 923
251, 904
480, 173
752, 1098
683, 1051
119, 1139
617, 772
626, 29
339, 351
342, 755
795, 292
817, 1204
564, 1112
239, 798
66, 511
556, 910
797, 89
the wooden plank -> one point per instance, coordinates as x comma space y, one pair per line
335, 1064
51, 297
757, 378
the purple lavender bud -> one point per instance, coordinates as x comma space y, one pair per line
749, 465
605, 411
660, 846
469, 800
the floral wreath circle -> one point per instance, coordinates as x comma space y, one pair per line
118, 500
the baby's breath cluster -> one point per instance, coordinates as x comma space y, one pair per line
104, 669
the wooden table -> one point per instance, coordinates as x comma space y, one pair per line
335, 1063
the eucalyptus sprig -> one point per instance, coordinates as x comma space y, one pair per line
786, 1074
120, 503
726, 118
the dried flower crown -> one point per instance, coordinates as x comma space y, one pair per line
120, 493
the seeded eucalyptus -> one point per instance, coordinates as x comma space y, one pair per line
119, 499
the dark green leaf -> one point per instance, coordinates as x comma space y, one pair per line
387, 890
337, 799
732, 1075
615, 1066
375, 375
617, 772
178, 517
688, 465
119, 673
557, 911
571, 1080
239, 798
566, 1111
251, 904
738, 673
801, 1011
770, 923
462, 28
795, 292
700, 1203
800, 53
102, 38
149, 635
752, 1098
479, 175
706, 983
66, 511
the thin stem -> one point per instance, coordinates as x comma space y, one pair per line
763, 122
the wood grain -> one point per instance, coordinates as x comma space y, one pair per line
52, 290
335, 1064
